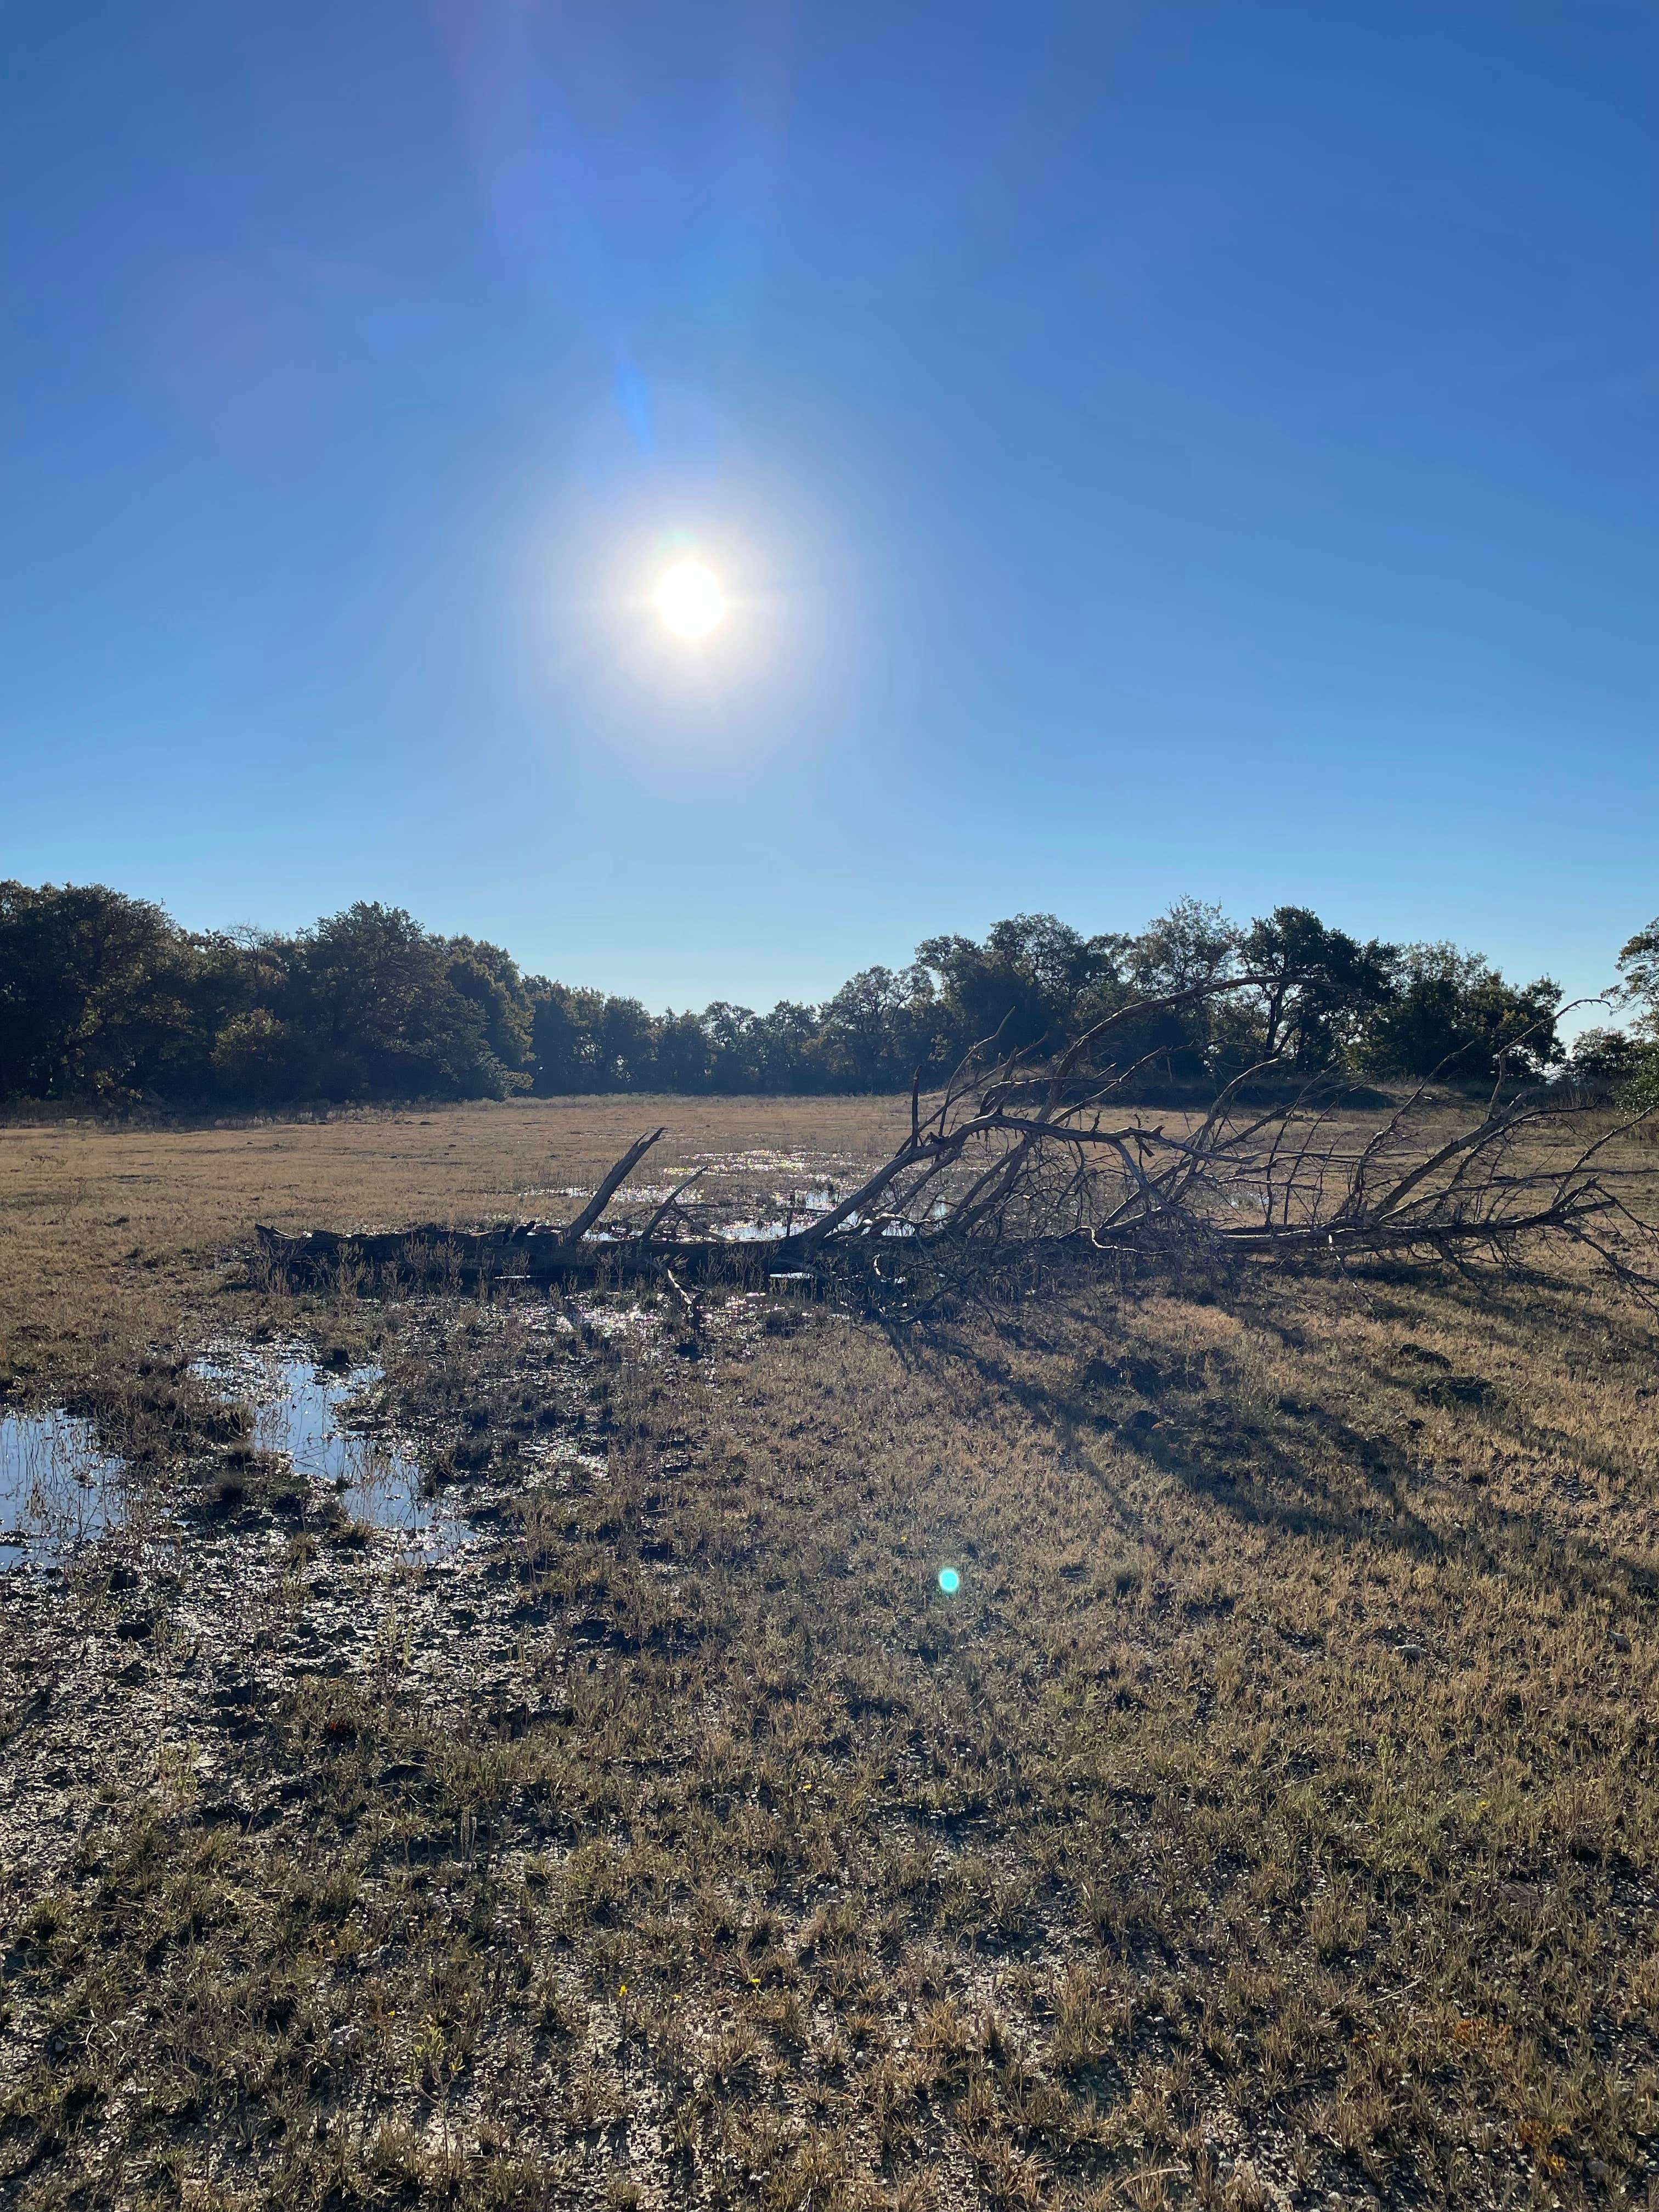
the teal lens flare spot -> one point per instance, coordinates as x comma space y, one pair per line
949, 1581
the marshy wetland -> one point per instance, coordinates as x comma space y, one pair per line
527, 1748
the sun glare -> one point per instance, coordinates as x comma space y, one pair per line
689, 599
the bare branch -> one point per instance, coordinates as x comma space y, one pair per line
574, 1232
1020, 1162
668, 1206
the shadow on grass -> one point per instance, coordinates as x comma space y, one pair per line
1307, 1471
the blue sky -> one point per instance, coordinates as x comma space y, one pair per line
1150, 449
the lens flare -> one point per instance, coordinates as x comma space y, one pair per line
949, 1581
689, 599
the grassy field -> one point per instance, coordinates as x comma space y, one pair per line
1268, 1818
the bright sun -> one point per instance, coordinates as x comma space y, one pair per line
689, 599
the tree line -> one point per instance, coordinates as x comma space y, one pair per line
103, 998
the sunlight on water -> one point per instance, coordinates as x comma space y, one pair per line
57, 1488
301, 1411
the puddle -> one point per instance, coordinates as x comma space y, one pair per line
821, 1167
57, 1489
639, 1322
721, 1199
303, 1411
762, 1232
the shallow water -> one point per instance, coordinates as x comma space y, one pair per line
821, 1167
755, 1232
613, 1320
57, 1489
302, 1411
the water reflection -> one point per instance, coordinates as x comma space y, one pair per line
303, 1411
756, 1231
57, 1490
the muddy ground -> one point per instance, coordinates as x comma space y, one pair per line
1265, 1818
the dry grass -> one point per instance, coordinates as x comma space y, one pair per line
1269, 1819
127, 1228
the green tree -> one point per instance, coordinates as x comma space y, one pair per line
879, 1027
94, 991
259, 1057
371, 993
732, 1043
1023, 985
1322, 986
625, 1041
787, 1049
1453, 1015
1638, 966
1193, 943
564, 1052
682, 1053
489, 978
1607, 1061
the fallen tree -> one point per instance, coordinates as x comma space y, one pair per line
1009, 1164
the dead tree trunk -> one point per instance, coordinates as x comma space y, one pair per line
1009, 1160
